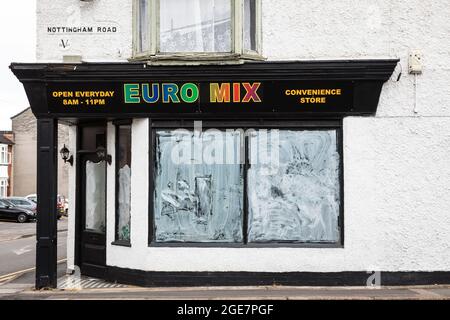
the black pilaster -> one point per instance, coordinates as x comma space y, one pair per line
46, 235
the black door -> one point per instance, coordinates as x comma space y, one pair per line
92, 255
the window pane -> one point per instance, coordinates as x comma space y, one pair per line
3, 187
123, 182
293, 186
198, 186
195, 26
250, 25
143, 26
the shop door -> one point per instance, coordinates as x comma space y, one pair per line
93, 215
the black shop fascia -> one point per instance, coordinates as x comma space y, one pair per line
262, 90
309, 94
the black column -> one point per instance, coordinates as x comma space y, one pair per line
47, 173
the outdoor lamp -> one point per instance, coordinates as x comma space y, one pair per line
65, 155
102, 155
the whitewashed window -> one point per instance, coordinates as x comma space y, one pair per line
279, 186
188, 28
198, 195
95, 196
123, 183
293, 186
4, 154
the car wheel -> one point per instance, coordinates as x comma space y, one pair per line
22, 218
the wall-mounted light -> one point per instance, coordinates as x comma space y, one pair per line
103, 156
65, 155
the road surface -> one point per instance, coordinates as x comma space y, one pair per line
18, 245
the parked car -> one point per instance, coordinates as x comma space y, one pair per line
11, 212
61, 204
5, 201
32, 197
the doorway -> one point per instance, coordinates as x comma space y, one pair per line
92, 202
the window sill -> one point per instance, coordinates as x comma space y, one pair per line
253, 245
198, 58
121, 243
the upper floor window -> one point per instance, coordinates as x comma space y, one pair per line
165, 29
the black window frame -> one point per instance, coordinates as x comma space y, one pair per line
311, 125
117, 124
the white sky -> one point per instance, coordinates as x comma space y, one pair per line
18, 44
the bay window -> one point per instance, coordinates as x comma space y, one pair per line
251, 25
207, 29
196, 29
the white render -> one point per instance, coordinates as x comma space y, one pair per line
72, 203
396, 164
96, 46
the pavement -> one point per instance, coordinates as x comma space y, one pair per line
242, 293
23, 281
84, 288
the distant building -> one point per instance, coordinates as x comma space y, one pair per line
6, 147
24, 155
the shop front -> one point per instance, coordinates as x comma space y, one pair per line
203, 175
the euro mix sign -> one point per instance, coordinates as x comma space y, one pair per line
200, 97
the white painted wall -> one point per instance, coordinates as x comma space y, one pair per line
94, 46
72, 193
397, 186
110, 190
357, 29
397, 172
